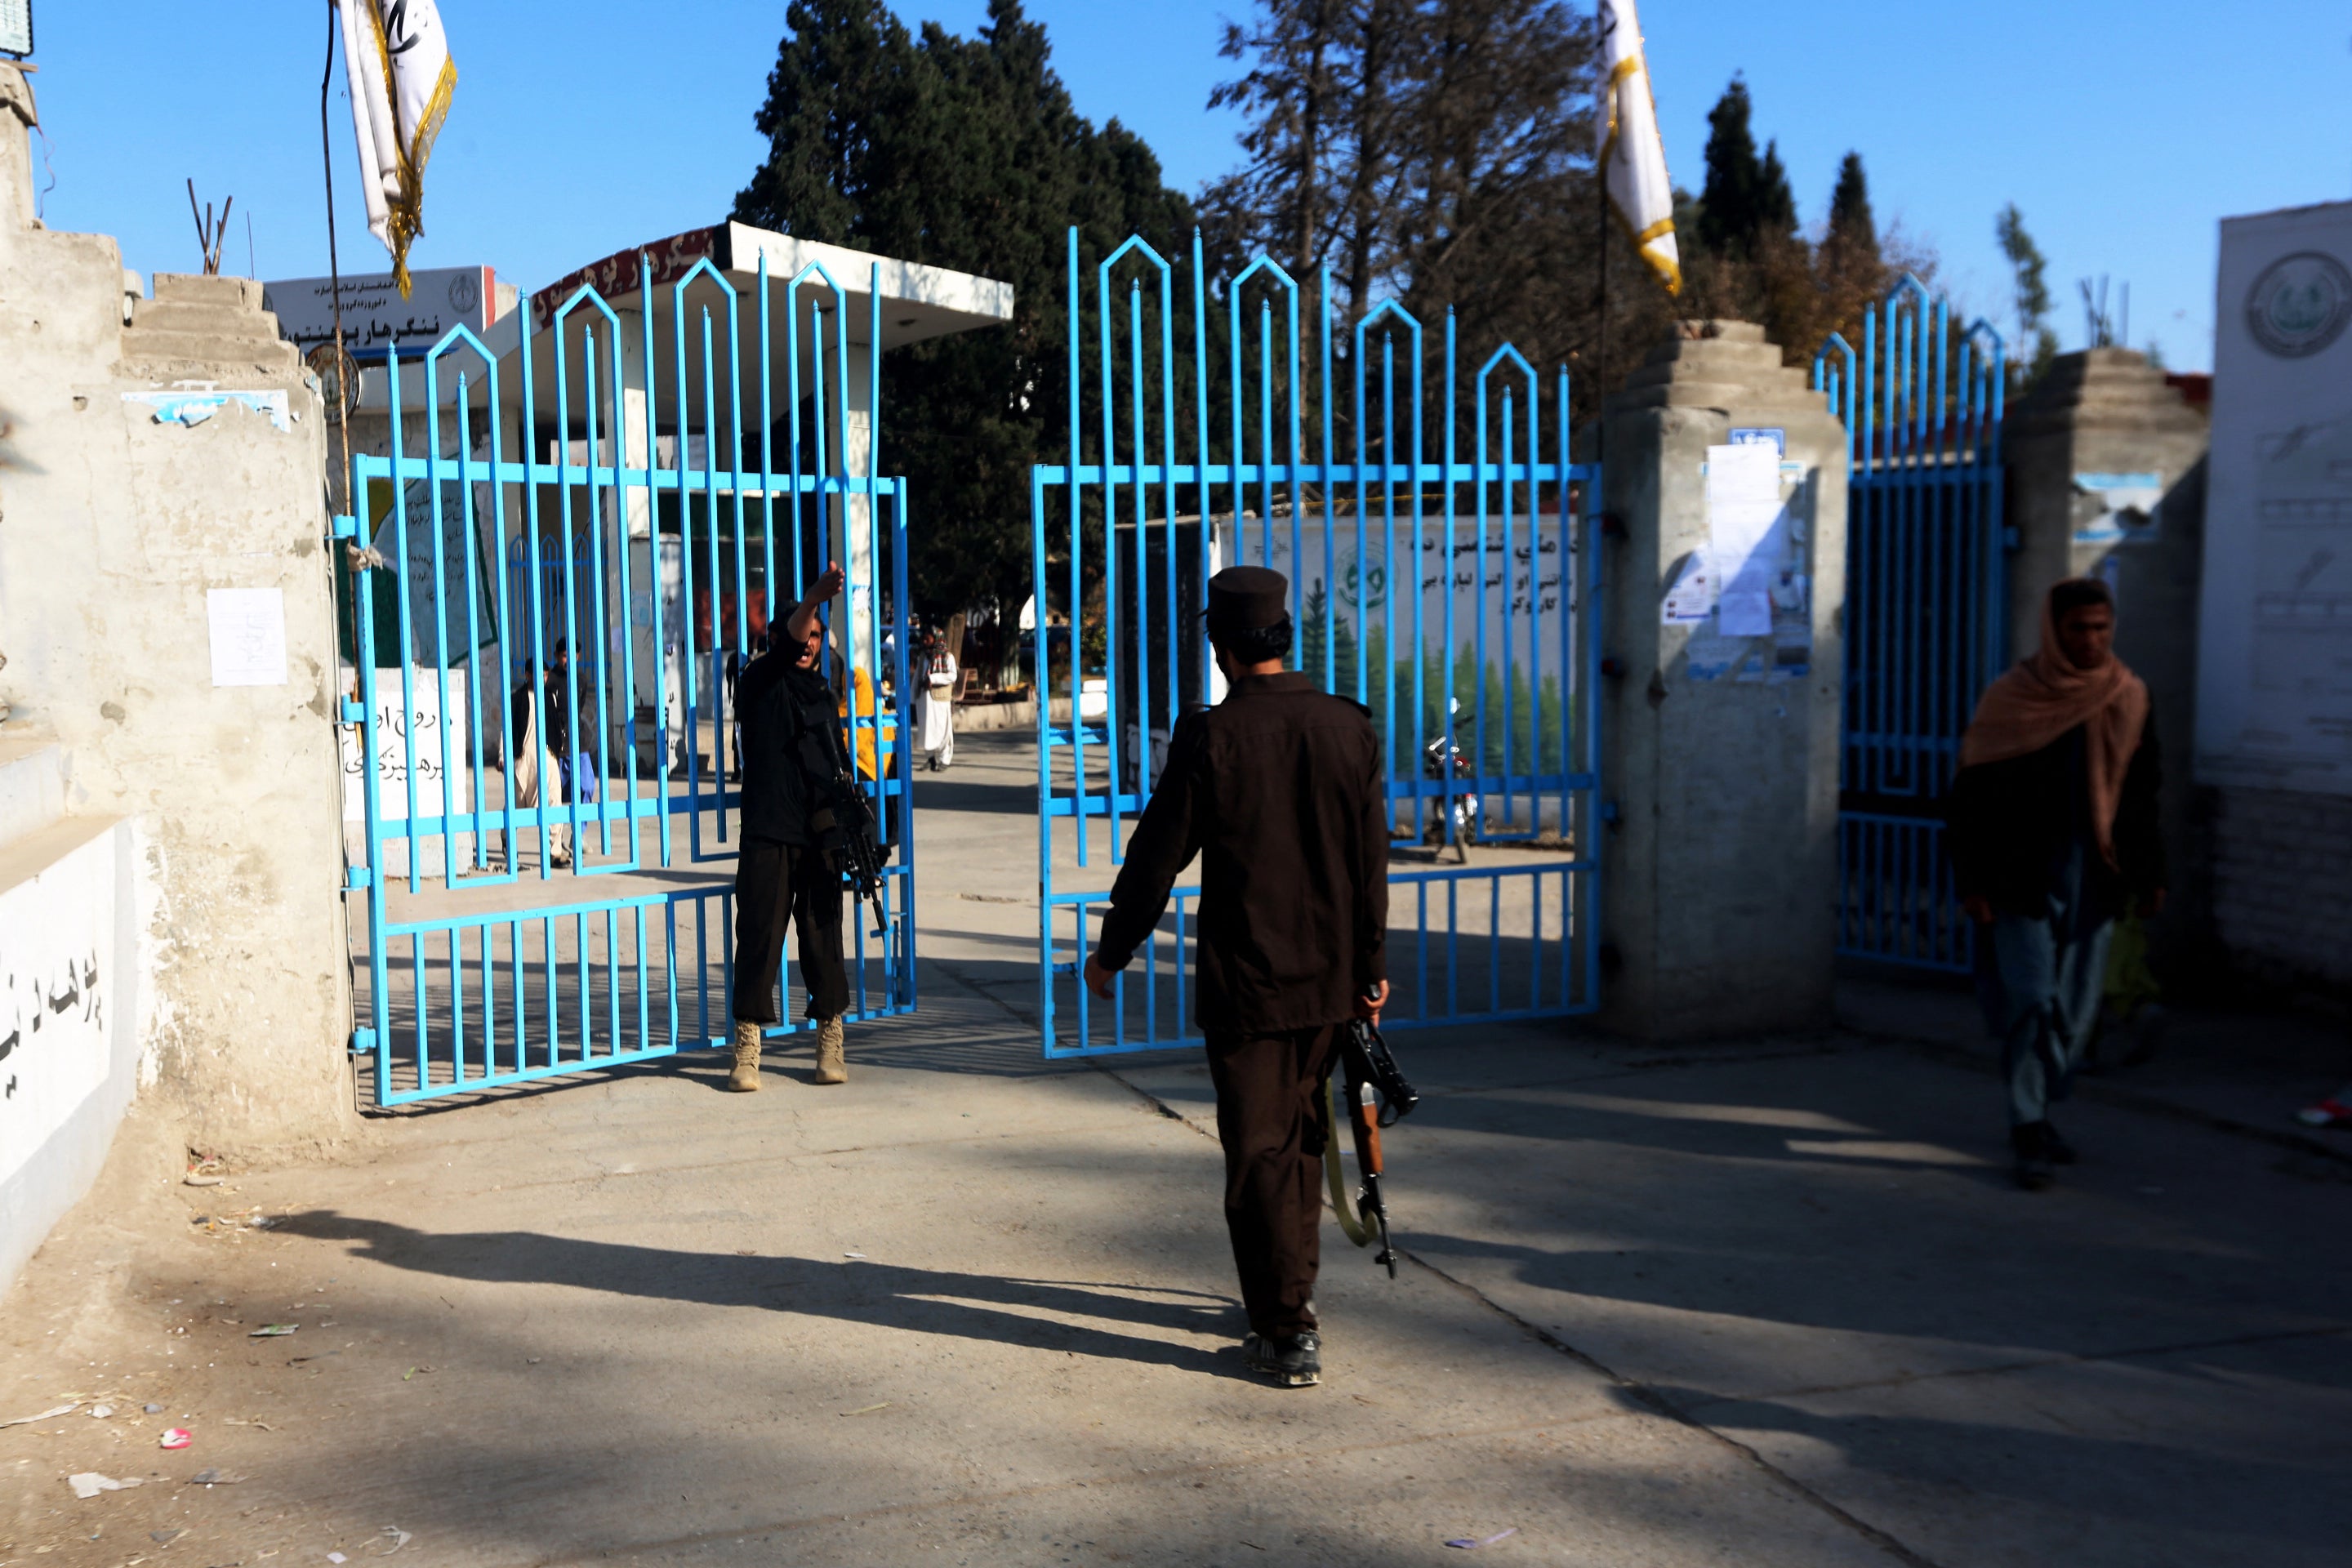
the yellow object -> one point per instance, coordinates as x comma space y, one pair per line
2130, 984
869, 722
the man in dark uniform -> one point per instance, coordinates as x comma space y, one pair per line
1279, 790
791, 751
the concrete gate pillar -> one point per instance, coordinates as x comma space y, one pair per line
2107, 478
1719, 752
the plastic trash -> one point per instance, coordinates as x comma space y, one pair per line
68, 1408
100, 1412
153, 1409
175, 1437
397, 1536
1469, 1543
271, 1331
337, 1557
90, 1483
209, 1477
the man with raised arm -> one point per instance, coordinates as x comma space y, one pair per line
784, 872
1279, 789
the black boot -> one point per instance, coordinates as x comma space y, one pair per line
1294, 1362
2035, 1167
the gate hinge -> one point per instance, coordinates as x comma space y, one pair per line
354, 714
346, 526
363, 1042
358, 879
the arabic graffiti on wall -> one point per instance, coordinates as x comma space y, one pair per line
409, 739
56, 975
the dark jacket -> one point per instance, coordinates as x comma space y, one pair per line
555, 735
1279, 790
790, 747
2012, 822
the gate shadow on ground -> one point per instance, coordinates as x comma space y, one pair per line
2180, 1493
1857, 1190
919, 1300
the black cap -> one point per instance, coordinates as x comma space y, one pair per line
1244, 598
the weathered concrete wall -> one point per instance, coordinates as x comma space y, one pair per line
1720, 879
2281, 888
114, 525
2108, 412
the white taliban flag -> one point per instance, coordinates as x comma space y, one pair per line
396, 63
1632, 159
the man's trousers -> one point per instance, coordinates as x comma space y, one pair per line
1272, 1119
775, 883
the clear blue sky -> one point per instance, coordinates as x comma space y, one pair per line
2124, 131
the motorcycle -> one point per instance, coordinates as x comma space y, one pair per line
1442, 759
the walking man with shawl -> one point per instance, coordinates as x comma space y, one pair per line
2054, 834
1279, 789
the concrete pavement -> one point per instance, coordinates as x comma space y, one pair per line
1768, 1301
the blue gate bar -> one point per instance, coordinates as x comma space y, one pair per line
1925, 597
1118, 591
475, 977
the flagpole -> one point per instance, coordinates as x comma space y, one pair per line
334, 266
1601, 346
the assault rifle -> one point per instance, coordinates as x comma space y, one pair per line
853, 834
1377, 1095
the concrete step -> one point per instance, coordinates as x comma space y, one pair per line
207, 319
149, 346
198, 289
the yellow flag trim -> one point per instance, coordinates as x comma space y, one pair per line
407, 214
1669, 272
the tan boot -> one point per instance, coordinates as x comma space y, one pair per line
745, 1078
831, 1068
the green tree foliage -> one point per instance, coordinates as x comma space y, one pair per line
1854, 231
965, 154
1434, 151
1732, 202
2036, 344
1754, 264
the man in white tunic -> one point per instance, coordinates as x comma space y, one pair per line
936, 718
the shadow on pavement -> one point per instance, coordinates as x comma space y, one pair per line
920, 1301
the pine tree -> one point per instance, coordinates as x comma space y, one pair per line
1776, 203
2035, 345
965, 154
1853, 230
1731, 203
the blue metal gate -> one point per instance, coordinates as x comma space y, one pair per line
1449, 590
578, 539
1925, 586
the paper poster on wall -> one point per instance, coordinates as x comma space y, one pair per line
57, 960
1690, 596
247, 629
